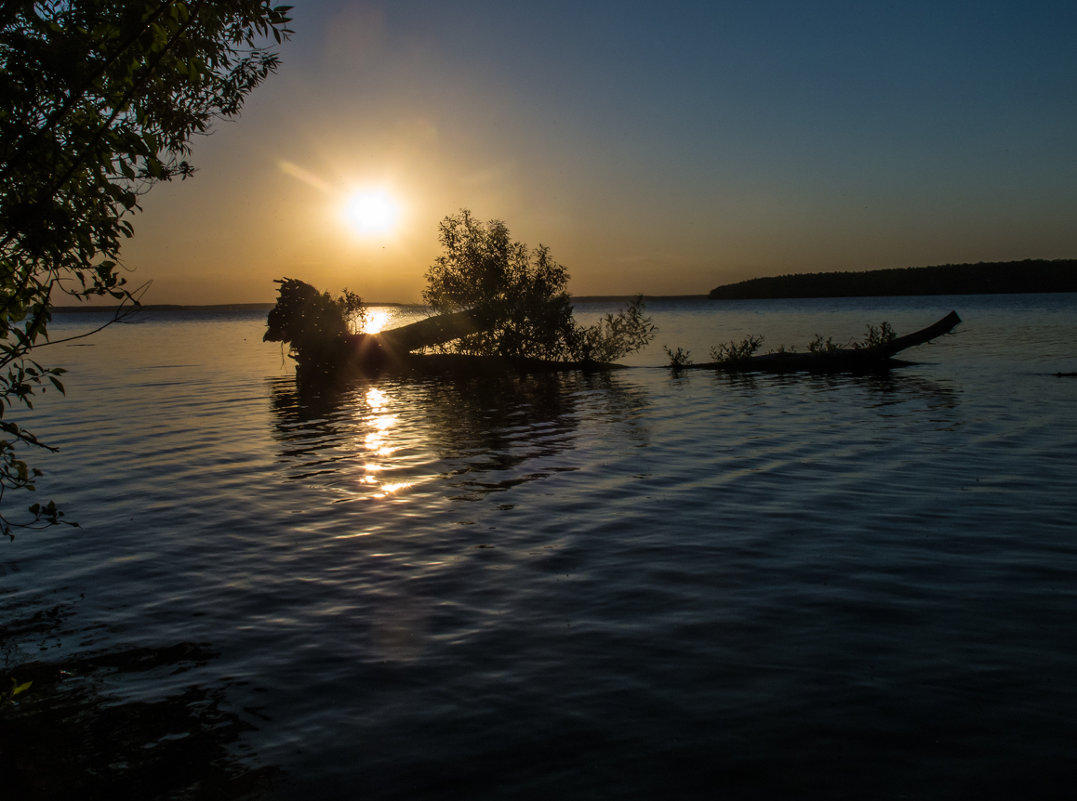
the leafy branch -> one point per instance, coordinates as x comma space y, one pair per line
524, 292
101, 100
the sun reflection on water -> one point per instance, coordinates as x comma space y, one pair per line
389, 489
376, 320
378, 441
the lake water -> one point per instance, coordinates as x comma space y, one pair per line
634, 585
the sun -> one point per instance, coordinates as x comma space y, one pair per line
371, 211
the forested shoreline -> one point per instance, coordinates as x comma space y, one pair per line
1030, 275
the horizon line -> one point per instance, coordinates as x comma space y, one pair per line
270, 304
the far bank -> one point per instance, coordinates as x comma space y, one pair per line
1008, 277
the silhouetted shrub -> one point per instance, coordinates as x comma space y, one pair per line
523, 291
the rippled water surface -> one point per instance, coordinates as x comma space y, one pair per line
628, 585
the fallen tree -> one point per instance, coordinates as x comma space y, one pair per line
316, 327
499, 304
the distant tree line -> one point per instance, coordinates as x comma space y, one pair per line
1030, 275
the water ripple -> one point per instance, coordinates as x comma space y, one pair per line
842, 586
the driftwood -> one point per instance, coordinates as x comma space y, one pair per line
879, 357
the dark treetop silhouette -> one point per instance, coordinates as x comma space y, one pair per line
101, 100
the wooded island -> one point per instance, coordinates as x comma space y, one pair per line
1030, 275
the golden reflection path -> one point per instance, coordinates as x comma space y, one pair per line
378, 444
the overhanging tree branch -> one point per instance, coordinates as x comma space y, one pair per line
79, 146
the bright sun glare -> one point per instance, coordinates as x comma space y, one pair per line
375, 321
371, 211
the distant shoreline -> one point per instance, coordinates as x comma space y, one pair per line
227, 307
983, 278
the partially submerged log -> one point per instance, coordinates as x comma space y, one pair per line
855, 359
434, 331
313, 325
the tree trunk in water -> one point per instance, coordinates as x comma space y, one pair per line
842, 359
435, 330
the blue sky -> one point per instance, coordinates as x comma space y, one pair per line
656, 147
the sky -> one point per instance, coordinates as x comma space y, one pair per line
655, 147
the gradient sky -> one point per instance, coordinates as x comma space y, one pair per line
656, 147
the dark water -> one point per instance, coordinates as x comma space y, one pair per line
634, 585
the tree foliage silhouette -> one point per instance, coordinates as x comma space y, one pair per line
99, 100
525, 292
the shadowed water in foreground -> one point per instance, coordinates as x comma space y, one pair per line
69, 737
